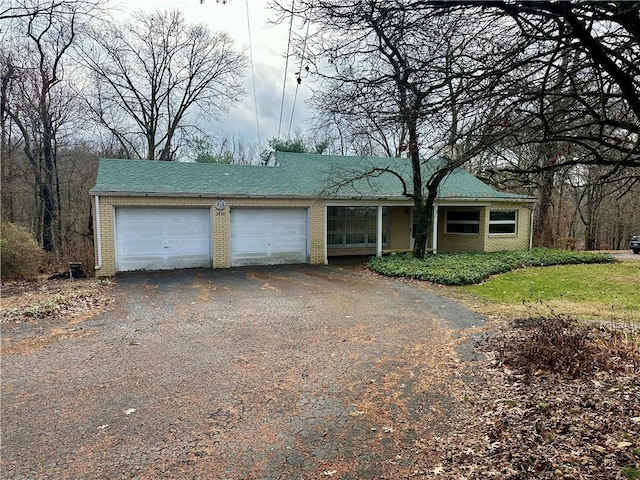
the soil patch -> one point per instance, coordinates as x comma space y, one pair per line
37, 313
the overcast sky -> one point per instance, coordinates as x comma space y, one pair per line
269, 46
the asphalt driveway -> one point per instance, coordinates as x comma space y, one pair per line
294, 372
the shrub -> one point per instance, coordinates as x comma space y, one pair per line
20, 253
558, 345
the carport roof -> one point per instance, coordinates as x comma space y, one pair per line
289, 175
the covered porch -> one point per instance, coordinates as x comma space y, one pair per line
357, 228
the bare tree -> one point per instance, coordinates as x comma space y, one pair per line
591, 49
35, 97
574, 96
559, 77
152, 74
204, 149
390, 68
19, 9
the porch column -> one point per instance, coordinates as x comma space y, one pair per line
325, 238
434, 229
379, 232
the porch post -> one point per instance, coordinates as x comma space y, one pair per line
379, 232
325, 238
434, 229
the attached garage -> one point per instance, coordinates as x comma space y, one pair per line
269, 236
162, 238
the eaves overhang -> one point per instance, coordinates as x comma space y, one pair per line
120, 193
466, 200
332, 198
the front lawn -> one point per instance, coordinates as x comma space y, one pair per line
590, 292
580, 285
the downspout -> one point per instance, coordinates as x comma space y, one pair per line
98, 236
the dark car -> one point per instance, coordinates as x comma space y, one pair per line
634, 244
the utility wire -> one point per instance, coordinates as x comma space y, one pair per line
253, 75
286, 66
299, 79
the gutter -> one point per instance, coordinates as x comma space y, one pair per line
98, 236
450, 201
442, 201
245, 195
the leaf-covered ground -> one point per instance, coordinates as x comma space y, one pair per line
34, 314
523, 417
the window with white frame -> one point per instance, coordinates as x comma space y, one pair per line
355, 226
503, 221
463, 221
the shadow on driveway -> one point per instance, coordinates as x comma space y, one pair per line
293, 372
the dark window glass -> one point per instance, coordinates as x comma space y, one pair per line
463, 216
500, 215
355, 225
502, 228
463, 221
463, 228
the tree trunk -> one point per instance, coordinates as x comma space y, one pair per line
47, 189
593, 200
420, 213
421, 216
543, 232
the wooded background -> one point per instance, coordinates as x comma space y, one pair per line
541, 98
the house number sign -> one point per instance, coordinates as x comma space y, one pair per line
220, 206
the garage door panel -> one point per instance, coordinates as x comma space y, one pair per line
268, 236
162, 238
139, 246
296, 231
162, 262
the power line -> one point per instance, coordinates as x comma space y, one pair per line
286, 66
253, 74
299, 79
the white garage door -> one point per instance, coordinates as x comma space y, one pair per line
162, 238
268, 236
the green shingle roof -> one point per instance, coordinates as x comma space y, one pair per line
293, 175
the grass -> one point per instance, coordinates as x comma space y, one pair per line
582, 285
591, 292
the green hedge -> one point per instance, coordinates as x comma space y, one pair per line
470, 268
